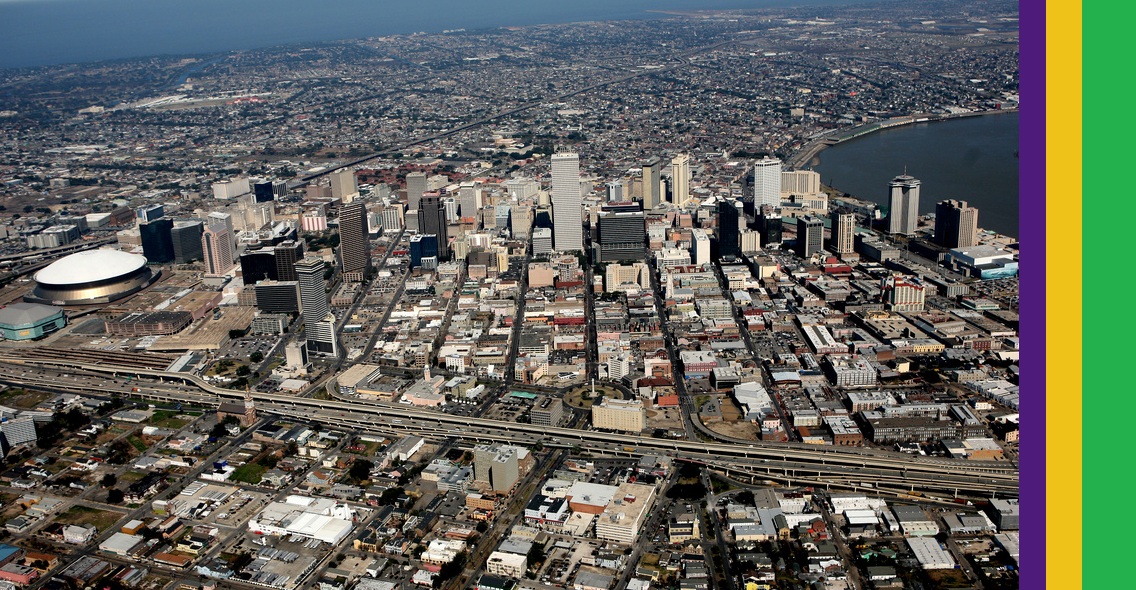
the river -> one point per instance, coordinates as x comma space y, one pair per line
973, 159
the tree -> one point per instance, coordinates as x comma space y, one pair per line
360, 470
115, 496
109, 480
243, 371
256, 357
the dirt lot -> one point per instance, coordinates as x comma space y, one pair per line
101, 519
19, 398
742, 430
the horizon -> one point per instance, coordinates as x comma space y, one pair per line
39, 33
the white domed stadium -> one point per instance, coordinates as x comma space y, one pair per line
91, 277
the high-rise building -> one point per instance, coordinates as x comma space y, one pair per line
903, 205
620, 236
522, 188
652, 187
157, 240
567, 203
956, 224
392, 218
810, 235
751, 241
278, 296
769, 224
729, 229
343, 185
767, 182
843, 231
151, 212
287, 253
269, 191
319, 323
217, 248
186, 237
699, 247
680, 179
614, 191
422, 246
469, 197
800, 182
354, 249
432, 220
415, 186
541, 241
258, 265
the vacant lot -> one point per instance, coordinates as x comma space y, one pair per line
21, 398
100, 519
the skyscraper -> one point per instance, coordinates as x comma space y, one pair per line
432, 220
843, 226
769, 224
343, 185
354, 249
615, 191
729, 230
469, 199
680, 179
652, 188
269, 191
151, 212
956, 224
903, 205
415, 186
287, 253
157, 240
217, 248
810, 235
567, 204
767, 182
319, 323
186, 237
620, 236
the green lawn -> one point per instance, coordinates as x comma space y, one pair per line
249, 473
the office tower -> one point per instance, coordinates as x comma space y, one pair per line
729, 229
615, 191
503, 214
567, 204
269, 191
521, 221
767, 182
415, 186
769, 224
432, 220
469, 197
226, 220
314, 219
231, 188
258, 265
497, 467
699, 247
956, 224
680, 179
541, 241
319, 323
450, 208
810, 235
652, 189
751, 241
217, 249
412, 221
422, 246
620, 236
392, 218
843, 225
343, 185
903, 209
800, 182
278, 296
186, 238
354, 249
157, 240
295, 355
437, 182
287, 253
151, 212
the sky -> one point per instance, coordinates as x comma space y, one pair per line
46, 32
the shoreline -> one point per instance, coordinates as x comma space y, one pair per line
800, 158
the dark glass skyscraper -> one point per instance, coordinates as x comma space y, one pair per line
157, 240
769, 224
729, 230
432, 220
186, 237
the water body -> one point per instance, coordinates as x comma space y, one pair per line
45, 32
972, 159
